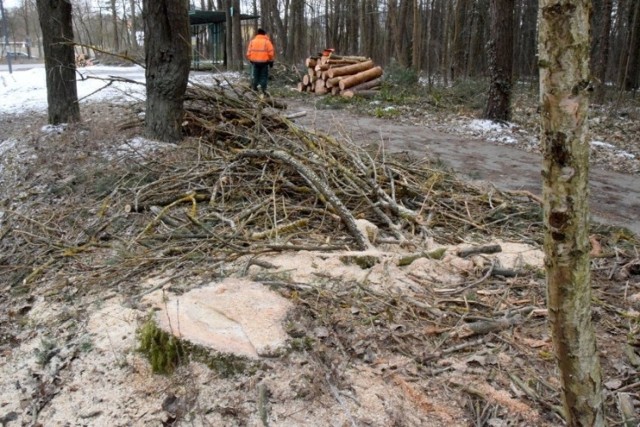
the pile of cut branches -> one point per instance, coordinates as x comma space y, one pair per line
249, 181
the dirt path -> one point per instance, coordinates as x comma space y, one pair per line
615, 197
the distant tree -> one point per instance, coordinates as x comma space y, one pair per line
238, 47
632, 68
114, 20
500, 53
602, 52
59, 60
564, 83
167, 46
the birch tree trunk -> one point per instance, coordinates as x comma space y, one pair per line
563, 47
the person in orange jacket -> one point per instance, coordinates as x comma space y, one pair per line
261, 54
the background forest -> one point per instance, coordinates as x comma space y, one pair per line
444, 40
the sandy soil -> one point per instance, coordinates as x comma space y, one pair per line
369, 345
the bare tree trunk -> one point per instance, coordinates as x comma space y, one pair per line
134, 24
59, 61
564, 80
25, 11
114, 20
416, 42
228, 35
444, 60
459, 53
238, 47
600, 68
500, 61
167, 44
633, 62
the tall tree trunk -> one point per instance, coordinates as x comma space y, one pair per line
444, 59
25, 11
623, 16
500, 60
59, 60
228, 35
416, 37
238, 46
114, 20
134, 24
602, 58
564, 81
429, 7
633, 62
459, 53
167, 45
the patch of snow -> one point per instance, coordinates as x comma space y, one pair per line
224, 78
504, 139
49, 129
625, 154
24, 91
601, 144
7, 145
137, 147
487, 126
618, 153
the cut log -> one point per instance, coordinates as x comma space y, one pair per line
332, 82
361, 93
361, 77
311, 62
367, 85
335, 90
308, 80
350, 69
302, 87
349, 58
334, 62
320, 87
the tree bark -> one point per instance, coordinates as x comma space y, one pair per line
134, 24
500, 61
238, 46
632, 71
59, 61
564, 82
167, 44
114, 20
349, 69
600, 67
361, 77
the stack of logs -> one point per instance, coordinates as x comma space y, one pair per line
346, 76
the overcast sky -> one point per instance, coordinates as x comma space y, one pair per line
10, 4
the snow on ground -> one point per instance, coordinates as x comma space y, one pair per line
26, 91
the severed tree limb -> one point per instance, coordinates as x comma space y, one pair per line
485, 249
320, 186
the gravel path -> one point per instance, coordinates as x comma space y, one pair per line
614, 198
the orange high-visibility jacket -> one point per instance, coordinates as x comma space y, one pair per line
260, 49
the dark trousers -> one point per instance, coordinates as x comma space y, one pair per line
260, 75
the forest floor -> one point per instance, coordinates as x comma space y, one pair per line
412, 331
